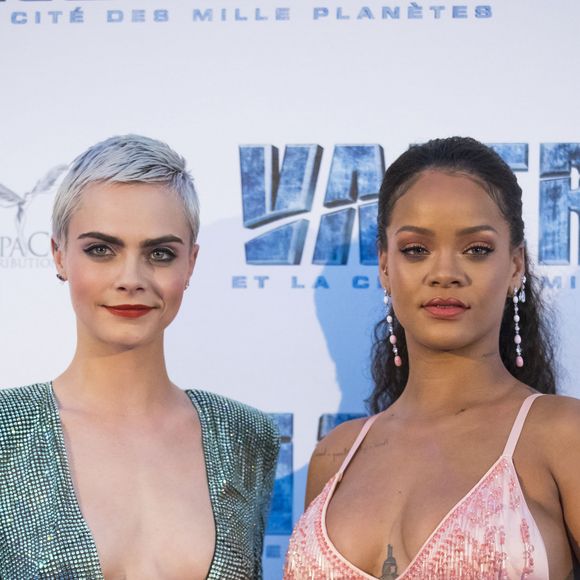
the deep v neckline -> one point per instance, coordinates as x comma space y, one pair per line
334, 484
72, 494
504, 459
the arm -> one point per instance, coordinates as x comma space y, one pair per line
265, 492
565, 465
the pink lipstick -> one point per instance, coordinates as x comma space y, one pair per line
445, 308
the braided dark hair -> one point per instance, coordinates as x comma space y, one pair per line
468, 156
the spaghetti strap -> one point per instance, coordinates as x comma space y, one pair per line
518, 425
357, 442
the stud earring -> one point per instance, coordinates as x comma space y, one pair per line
518, 296
187, 285
392, 337
61, 278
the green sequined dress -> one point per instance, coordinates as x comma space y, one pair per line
42, 532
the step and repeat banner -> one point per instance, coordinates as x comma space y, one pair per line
288, 114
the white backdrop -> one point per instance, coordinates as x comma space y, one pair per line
211, 77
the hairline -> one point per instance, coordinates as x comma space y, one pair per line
448, 169
78, 200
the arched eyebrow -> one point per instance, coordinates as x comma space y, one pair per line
461, 232
118, 242
162, 240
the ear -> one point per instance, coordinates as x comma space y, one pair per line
192, 259
58, 257
383, 269
518, 266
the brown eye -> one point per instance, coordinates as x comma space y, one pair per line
415, 250
479, 250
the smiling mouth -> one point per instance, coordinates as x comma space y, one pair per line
129, 310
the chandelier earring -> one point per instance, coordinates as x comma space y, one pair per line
392, 337
519, 297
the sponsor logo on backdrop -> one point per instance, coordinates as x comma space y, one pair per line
24, 245
278, 204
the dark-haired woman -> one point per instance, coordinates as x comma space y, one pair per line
469, 466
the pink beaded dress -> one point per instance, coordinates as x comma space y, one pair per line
489, 534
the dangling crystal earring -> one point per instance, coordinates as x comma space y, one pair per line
519, 296
392, 337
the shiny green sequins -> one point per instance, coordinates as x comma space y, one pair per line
42, 532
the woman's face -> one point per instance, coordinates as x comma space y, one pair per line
128, 258
448, 264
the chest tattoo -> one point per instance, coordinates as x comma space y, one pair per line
389, 571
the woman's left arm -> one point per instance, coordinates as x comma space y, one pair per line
265, 490
566, 464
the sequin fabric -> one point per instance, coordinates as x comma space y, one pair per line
489, 534
42, 532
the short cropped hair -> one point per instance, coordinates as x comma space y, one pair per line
125, 159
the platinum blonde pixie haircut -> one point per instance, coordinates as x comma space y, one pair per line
125, 159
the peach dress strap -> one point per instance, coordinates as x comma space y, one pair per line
357, 443
518, 425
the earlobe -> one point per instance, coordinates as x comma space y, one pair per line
383, 270
519, 266
57, 256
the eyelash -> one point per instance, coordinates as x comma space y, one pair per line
413, 250
92, 251
417, 250
488, 249
169, 254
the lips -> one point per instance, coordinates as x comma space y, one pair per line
445, 308
129, 310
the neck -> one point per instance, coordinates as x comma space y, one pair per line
443, 383
116, 381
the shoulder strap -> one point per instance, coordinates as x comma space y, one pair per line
357, 442
518, 425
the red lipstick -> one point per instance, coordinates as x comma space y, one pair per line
129, 310
445, 308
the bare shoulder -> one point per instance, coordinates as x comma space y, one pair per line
556, 423
559, 413
329, 455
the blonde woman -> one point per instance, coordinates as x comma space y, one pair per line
110, 470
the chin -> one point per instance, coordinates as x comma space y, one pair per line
445, 343
126, 340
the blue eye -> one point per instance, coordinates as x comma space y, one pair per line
98, 251
162, 255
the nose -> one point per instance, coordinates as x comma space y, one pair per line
446, 271
131, 276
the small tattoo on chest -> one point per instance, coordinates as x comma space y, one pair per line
389, 571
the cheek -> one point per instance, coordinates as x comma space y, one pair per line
405, 277
84, 281
172, 287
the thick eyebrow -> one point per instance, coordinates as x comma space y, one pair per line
462, 232
416, 230
477, 229
104, 237
118, 242
162, 240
